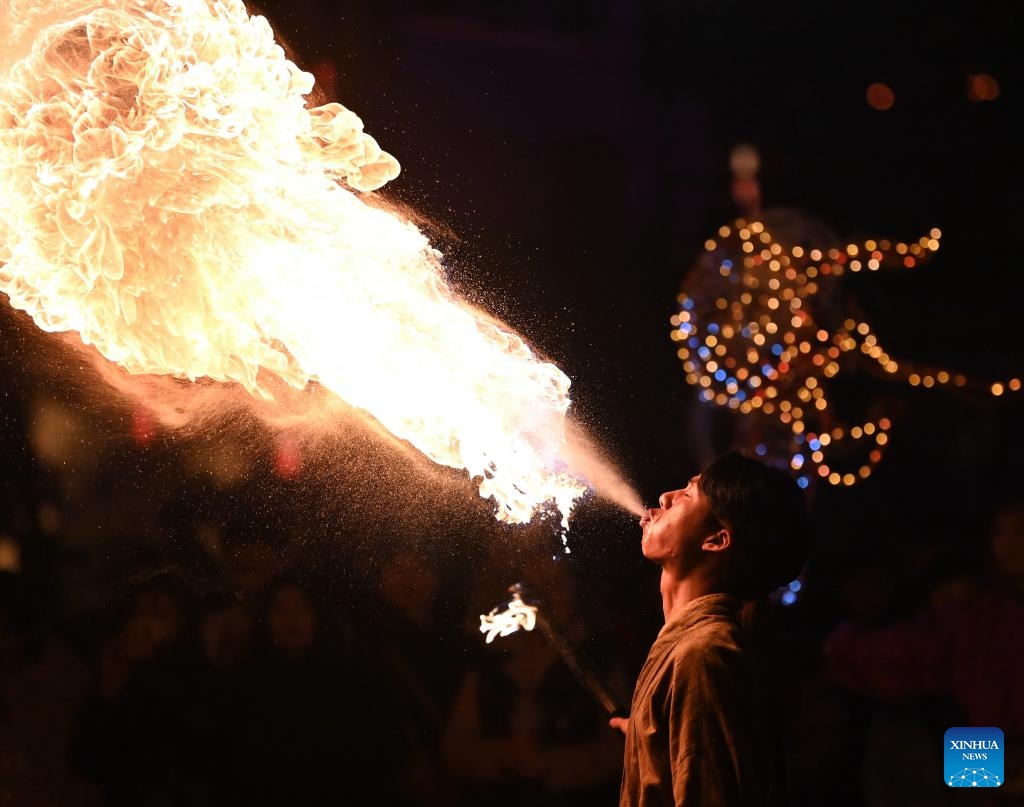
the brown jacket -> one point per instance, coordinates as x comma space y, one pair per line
702, 732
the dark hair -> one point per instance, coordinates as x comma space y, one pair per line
764, 510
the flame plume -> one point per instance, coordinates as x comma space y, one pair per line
167, 194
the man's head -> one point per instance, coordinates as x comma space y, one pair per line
739, 522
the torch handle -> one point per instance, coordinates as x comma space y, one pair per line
581, 666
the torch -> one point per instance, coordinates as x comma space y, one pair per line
524, 611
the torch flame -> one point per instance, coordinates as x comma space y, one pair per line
516, 615
167, 194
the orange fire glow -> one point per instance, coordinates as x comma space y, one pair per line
167, 194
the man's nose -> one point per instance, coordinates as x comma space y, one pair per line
664, 500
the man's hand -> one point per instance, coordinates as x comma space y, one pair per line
620, 723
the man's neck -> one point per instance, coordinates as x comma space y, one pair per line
676, 592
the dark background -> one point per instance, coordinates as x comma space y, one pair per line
570, 159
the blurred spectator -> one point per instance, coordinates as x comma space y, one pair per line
226, 631
419, 652
301, 715
967, 647
140, 735
824, 756
42, 684
250, 566
523, 730
818, 734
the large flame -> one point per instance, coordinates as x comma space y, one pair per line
167, 193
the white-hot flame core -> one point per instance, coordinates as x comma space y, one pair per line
517, 615
166, 193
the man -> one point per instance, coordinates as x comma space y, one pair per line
701, 731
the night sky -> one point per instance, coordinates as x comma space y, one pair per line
569, 159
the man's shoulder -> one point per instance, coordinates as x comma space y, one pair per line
709, 644
712, 633
709, 629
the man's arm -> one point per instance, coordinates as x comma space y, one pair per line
704, 707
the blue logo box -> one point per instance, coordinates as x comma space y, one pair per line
973, 757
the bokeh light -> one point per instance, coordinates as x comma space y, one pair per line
880, 96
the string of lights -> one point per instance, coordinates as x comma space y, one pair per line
750, 340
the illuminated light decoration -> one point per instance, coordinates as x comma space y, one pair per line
287, 457
143, 427
787, 381
982, 87
880, 96
790, 593
168, 195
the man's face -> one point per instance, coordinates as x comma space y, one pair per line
674, 532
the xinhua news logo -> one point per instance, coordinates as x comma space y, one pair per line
973, 757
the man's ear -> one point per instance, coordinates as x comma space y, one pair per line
718, 540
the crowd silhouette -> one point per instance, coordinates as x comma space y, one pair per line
261, 685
